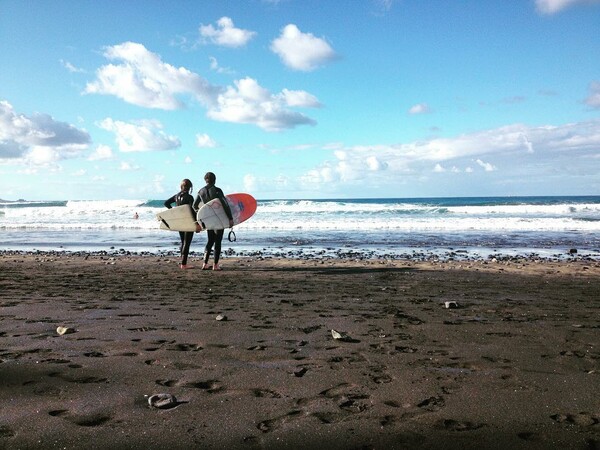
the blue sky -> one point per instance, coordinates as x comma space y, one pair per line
105, 100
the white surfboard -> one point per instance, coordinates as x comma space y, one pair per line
179, 218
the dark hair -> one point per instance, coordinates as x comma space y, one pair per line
210, 178
186, 185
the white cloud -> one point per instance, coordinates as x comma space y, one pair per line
215, 67
248, 102
102, 152
42, 156
205, 141
300, 98
486, 166
302, 51
555, 6
375, 165
187, 160
70, 67
38, 139
226, 34
249, 183
158, 183
143, 79
419, 108
127, 167
593, 99
355, 164
140, 137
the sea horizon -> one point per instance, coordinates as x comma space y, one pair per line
425, 227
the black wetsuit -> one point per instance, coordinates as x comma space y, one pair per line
183, 198
206, 194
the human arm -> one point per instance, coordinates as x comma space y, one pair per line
226, 207
170, 201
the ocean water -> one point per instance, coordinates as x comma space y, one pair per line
393, 228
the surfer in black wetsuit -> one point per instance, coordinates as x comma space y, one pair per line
184, 197
206, 194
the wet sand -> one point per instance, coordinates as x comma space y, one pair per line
514, 365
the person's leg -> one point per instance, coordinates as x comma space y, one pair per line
218, 239
207, 249
189, 236
182, 239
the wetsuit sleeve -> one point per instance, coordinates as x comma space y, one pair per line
197, 202
169, 202
190, 201
225, 203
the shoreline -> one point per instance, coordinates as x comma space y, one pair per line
514, 365
442, 255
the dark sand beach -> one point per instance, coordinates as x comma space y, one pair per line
515, 365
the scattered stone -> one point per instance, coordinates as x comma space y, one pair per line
221, 318
450, 305
299, 372
65, 330
340, 336
162, 401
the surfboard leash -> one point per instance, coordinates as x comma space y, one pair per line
231, 236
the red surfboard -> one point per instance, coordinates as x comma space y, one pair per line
212, 216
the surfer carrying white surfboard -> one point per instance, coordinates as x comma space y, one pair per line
184, 197
206, 194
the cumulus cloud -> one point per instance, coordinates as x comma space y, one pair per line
374, 164
143, 79
38, 139
419, 108
300, 98
226, 34
486, 166
127, 167
593, 99
302, 51
507, 143
216, 67
205, 141
102, 152
248, 102
144, 136
555, 6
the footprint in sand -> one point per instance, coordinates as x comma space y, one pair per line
270, 424
186, 348
265, 393
210, 386
455, 425
583, 419
6, 432
84, 420
82, 379
167, 383
432, 403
